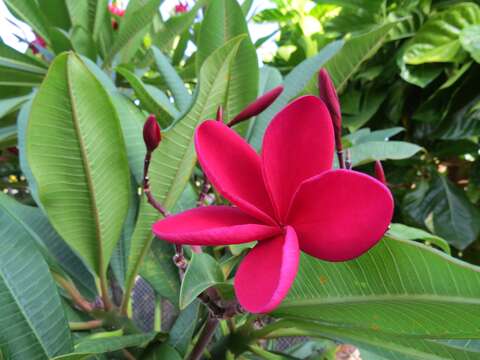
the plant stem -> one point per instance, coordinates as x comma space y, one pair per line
88, 325
107, 304
204, 338
128, 355
75, 295
146, 186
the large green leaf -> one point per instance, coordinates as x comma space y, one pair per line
382, 150
346, 62
184, 327
223, 21
36, 224
295, 82
383, 345
160, 272
96, 345
174, 82
173, 162
55, 12
438, 39
398, 287
138, 18
32, 321
77, 156
13, 59
445, 209
163, 352
203, 272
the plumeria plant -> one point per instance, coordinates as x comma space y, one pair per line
167, 197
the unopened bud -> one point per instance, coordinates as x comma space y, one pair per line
329, 96
258, 105
151, 133
379, 173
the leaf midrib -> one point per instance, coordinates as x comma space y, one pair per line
391, 298
88, 171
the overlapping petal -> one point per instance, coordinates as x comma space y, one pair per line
267, 273
298, 144
234, 168
340, 214
212, 225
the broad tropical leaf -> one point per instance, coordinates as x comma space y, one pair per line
32, 321
74, 133
398, 287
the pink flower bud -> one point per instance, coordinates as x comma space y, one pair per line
219, 114
38, 42
329, 96
151, 133
379, 173
258, 105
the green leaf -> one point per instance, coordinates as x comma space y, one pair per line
371, 100
203, 272
163, 109
29, 12
137, 19
162, 352
56, 13
175, 26
223, 21
387, 346
294, 83
398, 287
13, 59
82, 42
15, 77
438, 39
131, 120
36, 224
83, 146
365, 135
347, 61
174, 160
184, 327
446, 208
174, 81
470, 40
32, 321
160, 272
382, 150
109, 344
403, 232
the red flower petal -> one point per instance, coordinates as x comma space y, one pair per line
267, 273
234, 168
298, 144
340, 214
212, 225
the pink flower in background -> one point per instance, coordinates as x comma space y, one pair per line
114, 10
289, 199
38, 42
181, 8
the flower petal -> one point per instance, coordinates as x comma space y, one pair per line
212, 225
340, 214
234, 168
267, 273
298, 144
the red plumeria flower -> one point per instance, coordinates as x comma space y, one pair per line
289, 199
181, 8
